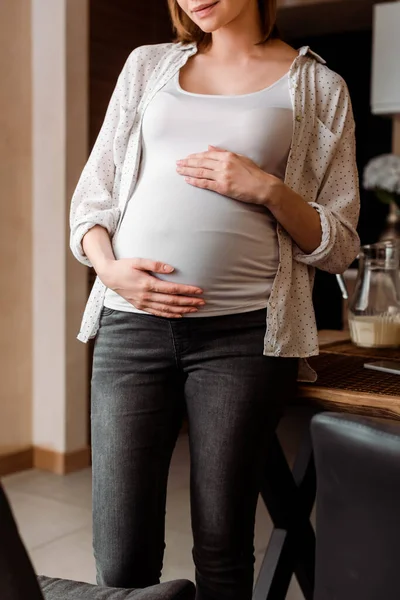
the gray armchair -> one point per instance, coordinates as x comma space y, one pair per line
18, 580
61, 589
358, 508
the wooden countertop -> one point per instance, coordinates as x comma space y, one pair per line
344, 384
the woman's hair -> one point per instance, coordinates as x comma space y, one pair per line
187, 32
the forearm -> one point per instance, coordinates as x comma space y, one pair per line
97, 247
301, 221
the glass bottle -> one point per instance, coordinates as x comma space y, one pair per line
374, 310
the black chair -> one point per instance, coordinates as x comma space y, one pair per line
358, 508
18, 580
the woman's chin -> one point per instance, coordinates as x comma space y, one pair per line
208, 30
208, 27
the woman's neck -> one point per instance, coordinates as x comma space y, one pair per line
239, 38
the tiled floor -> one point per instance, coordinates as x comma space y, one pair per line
54, 516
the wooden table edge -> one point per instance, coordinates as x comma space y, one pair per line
350, 401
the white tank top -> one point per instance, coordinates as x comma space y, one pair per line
226, 247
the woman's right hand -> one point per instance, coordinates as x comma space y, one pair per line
132, 279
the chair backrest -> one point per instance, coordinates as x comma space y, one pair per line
358, 508
17, 577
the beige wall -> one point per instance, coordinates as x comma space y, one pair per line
60, 64
15, 226
77, 75
43, 147
49, 215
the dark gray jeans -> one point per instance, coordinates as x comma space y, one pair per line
146, 369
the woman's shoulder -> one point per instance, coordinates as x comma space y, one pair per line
327, 78
153, 53
330, 85
333, 100
143, 64
278, 51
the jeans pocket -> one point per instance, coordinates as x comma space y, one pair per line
107, 312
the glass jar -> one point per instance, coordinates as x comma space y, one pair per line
374, 310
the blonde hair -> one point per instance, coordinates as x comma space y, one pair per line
187, 32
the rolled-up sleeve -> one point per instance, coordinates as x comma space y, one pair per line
338, 201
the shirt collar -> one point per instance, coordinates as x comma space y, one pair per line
306, 50
303, 51
182, 46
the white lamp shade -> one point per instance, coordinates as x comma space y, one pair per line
385, 97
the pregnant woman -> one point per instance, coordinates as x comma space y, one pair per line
223, 175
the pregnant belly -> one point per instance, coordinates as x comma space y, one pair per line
227, 248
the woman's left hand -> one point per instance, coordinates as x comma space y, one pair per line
229, 174
238, 177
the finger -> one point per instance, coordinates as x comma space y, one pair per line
201, 163
180, 301
205, 184
145, 264
217, 149
174, 289
165, 315
170, 310
198, 173
211, 155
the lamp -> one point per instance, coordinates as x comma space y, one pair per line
385, 96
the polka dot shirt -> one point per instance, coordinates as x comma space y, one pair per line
321, 168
